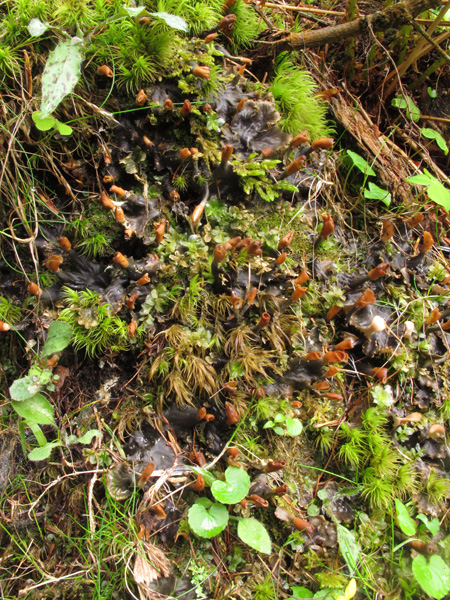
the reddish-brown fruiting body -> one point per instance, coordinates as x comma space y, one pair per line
302, 278
298, 293
412, 222
281, 259
199, 484
210, 38
219, 254
427, 242
132, 328
378, 271
34, 289
346, 344
241, 104
434, 316
327, 227
286, 240
174, 196
119, 215
274, 465
232, 451
53, 263
387, 231
105, 71
243, 243
209, 417
4, 326
231, 244
250, 297
147, 141
258, 501
333, 311
236, 301
146, 474
323, 143
314, 355
264, 320
299, 139
281, 490
106, 201
202, 72
108, 178
331, 371
335, 356
303, 525
333, 396
144, 279
321, 386
117, 190
227, 151
194, 151
380, 373
201, 413
121, 260
168, 104
197, 212
232, 414
184, 154
296, 404
132, 299
186, 108
295, 166
64, 243
160, 228
141, 98
366, 298
207, 108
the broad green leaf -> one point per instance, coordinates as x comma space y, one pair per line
24, 388
268, 424
234, 488
278, 430
43, 124
89, 435
44, 451
405, 102
58, 338
207, 519
420, 179
360, 163
300, 591
134, 11
255, 535
36, 409
36, 27
376, 193
433, 526
61, 74
279, 418
294, 427
431, 134
63, 128
348, 547
439, 194
433, 576
172, 20
405, 522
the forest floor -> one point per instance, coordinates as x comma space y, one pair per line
224, 303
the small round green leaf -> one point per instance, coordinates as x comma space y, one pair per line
433, 576
234, 488
36, 409
43, 124
62, 128
255, 535
207, 519
294, 427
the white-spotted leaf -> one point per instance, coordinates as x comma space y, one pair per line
36, 27
207, 519
36, 409
61, 74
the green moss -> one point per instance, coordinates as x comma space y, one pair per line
293, 90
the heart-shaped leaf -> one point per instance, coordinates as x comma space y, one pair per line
294, 427
255, 535
207, 519
36, 409
433, 576
234, 488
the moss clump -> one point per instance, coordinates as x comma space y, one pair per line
293, 90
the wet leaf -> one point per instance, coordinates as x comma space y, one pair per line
36, 409
433, 576
207, 519
43, 124
172, 20
348, 547
405, 522
24, 388
36, 27
134, 11
294, 427
58, 338
234, 488
89, 436
61, 74
255, 535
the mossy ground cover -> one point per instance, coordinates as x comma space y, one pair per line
234, 300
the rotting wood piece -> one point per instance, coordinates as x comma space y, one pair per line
394, 16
